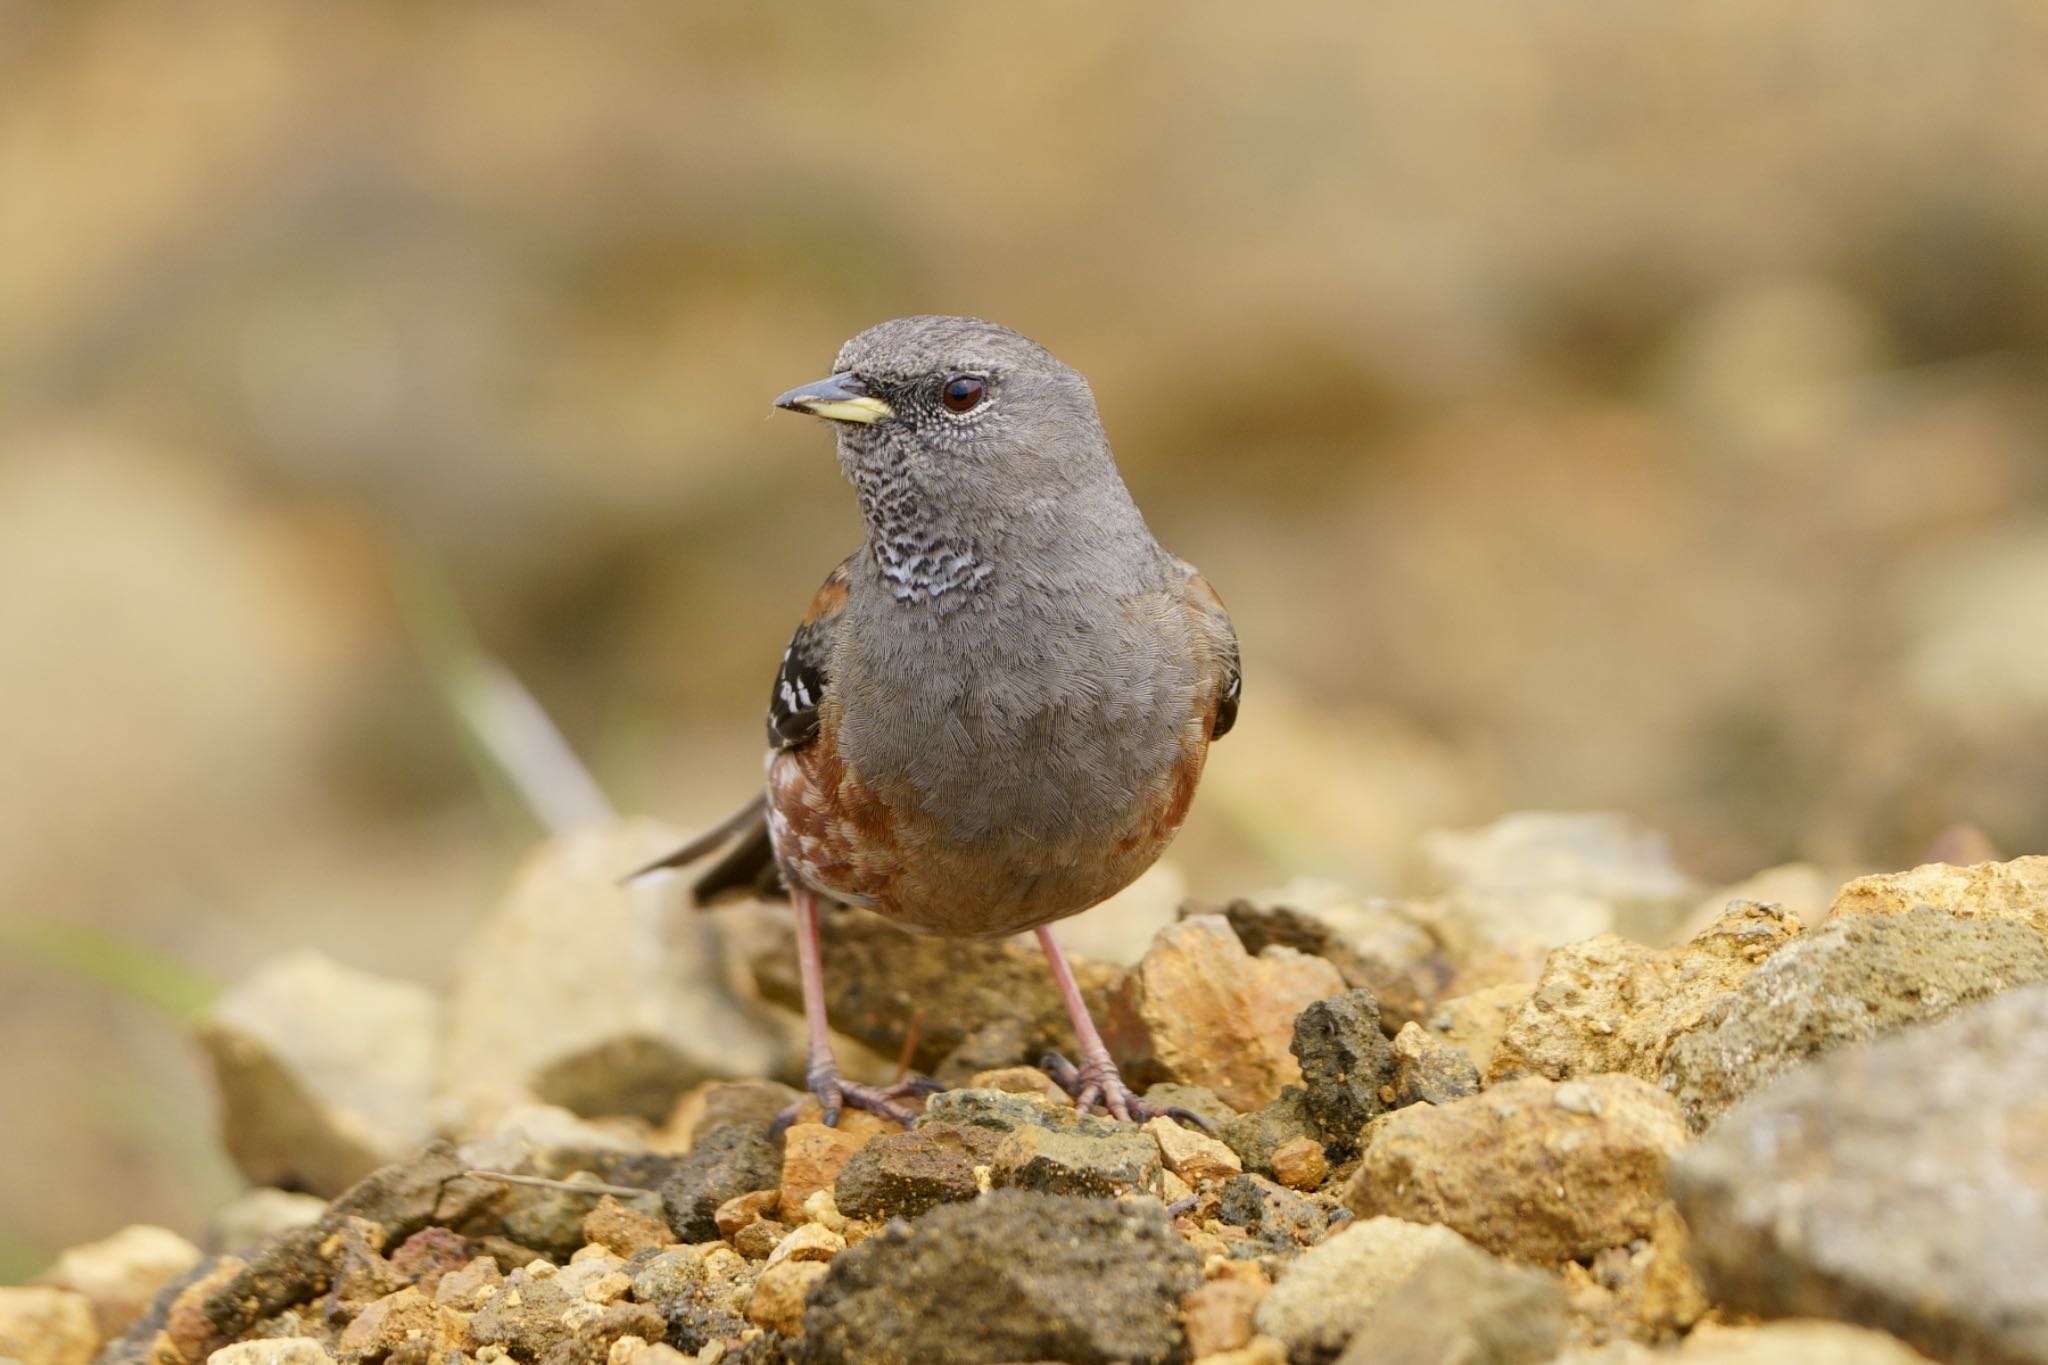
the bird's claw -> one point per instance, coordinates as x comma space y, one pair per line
835, 1095
1097, 1081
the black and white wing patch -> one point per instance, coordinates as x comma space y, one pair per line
800, 682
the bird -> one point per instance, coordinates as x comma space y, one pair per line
995, 712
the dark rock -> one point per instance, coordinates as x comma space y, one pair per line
593, 1339
550, 1221
1271, 1212
1004, 1112
700, 1292
734, 1160
1033, 1158
901, 1175
1428, 1070
1021, 1277
1257, 1135
1345, 1061
749, 1103
525, 1318
1898, 1184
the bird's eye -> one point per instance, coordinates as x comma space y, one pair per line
962, 392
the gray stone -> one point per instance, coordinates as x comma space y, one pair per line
1013, 1276
1901, 1184
1271, 1212
701, 1292
1105, 1164
325, 1073
901, 1175
1428, 1070
1003, 1111
728, 1162
594, 995
1257, 1135
1463, 1307
1853, 978
1326, 1294
1345, 1061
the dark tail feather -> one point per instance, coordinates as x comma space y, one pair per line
748, 870
750, 820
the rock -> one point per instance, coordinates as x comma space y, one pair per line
1533, 1169
2016, 890
811, 1242
1428, 1070
48, 1326
406, 1318
467, 1287
1101, 1164
1039, 1277
757, 1240
1473, 1023
778, 1299
1271, 1213
1608, 1004
258, 1215
1021, 1080
1345, 1063
122, 1273
276, 1351
720, 1104
1256, 1136
743, 1211
1773, 1343
902, 1175
726, 1163
1002, 1112
1383, 946
1191, 1155
1899, 1184
325, 1073
1324, 1295
622, 1230
993, 1000
812, 1157
1200, 1009
702, 1294
1855, 977
1801, 891
1299, 1164
1462, 1305
1218, 1315
591, 994
1536, 879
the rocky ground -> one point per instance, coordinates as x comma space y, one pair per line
1569, 1107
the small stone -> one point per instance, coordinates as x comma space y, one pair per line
726, 1163
1200, 1009
1109, 1164
47, 1326
905, 1174
743, 1209
1274, 1215
276, 1351
701, 1293
1474, 1022
822, 1209
1256, 1136
812, 1157
807, 1243
758, 1239
325, 1073
402, 1319
1038, 1277
1002, 1112
778, 1300
623, 1230
1428, 1070
1194, 1157
1021, 1080
1897, 1183
1345, 1063
574, 991
428, 1254
609, 1287
1461, 1304
122, 1273
2016, 890
1218, 1315
1324, 1295
1855, 977
1299, 1164
631, 1350
468, 1287
1522, 1174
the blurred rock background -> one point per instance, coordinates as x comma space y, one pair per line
1581, 406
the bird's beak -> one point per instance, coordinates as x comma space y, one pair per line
842, 398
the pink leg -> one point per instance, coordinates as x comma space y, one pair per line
1097, 1078
822, 1074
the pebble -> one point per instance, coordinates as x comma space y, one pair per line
47, 1326
122, 1273
1299, 1164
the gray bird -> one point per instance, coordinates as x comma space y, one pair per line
996, 710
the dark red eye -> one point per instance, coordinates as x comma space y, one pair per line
962, 392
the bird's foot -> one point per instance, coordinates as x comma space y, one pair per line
1097, 1081
835, 1095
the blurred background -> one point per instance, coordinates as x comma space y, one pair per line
1582, 406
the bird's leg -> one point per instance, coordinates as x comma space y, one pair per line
1096, 1080
822, 1076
